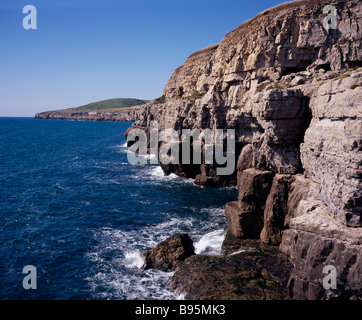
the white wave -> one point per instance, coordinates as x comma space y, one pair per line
115, 283
158, 173
215, 211
122, 148
149, 156
210, 243
134, 260
180, 297
123, 145
119, 265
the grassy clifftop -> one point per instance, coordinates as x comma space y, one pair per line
107, 105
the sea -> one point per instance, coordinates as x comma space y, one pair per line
73, 207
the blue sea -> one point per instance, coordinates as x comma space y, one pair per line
74, 208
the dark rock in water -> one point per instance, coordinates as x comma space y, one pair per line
261, 272
167, 254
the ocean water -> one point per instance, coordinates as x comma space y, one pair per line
74, 208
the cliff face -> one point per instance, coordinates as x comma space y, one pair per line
87, 116
292, 91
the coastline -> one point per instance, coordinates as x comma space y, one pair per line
298, 124
87, 116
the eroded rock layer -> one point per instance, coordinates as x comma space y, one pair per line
292, 90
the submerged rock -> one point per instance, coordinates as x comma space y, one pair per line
167, 254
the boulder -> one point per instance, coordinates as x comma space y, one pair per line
167, 254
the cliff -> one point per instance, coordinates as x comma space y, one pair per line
292, 90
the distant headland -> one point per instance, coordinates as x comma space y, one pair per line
119, 109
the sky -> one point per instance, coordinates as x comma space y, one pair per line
89, 50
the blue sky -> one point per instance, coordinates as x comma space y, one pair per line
90, 50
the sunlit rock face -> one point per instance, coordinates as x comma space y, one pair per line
292, 90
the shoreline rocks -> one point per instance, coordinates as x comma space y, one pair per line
259, 272
169, 253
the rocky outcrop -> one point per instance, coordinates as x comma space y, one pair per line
315, 240
276, 209
292, 90
258, 273
87, 116
169, 253
245, 217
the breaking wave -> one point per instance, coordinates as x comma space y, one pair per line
120, 262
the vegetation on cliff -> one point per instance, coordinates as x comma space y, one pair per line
120, 109
106, 105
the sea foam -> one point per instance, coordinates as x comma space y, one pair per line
210, 243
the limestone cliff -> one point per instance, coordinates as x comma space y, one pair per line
292, 90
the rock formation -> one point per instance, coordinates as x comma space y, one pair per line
87, 116
292, 90
261, 273
167, 254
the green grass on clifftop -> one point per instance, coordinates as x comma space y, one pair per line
109, 104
